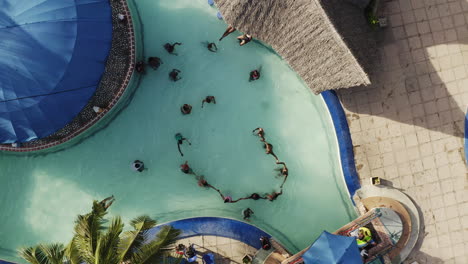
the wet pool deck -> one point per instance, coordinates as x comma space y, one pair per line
407, 128
226, 250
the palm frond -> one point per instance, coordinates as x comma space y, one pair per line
133, 240
32, 255
154, 251
72, 253
88, 230
106, 251
54, 253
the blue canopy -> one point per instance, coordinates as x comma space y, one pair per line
333, 249
52, 57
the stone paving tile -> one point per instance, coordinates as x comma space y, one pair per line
407, 127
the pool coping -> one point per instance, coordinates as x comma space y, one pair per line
345, 144
217, 226
466, 137
112, 104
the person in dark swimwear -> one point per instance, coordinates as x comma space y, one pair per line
228, 31
185, 168
212, 47
247, 213
255, 196
106, 203
269, 149
271, 197
208, 100
284, 172
174, 75
180, 249
265, 243
244, 39
260, 133
154, 62
171, 47
140, 67
254, 75
138, 165
186, 109
190, 252
180, 140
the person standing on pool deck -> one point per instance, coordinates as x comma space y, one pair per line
208, 100
260, 133
180, 140
138, 166
170, 47
228, 31
174, 75
247, 213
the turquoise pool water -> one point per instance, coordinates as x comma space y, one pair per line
42, 194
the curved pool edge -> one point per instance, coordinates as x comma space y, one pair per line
217, 226
466, 137
345, 144
101, 119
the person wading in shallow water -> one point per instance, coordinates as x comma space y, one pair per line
247, 213
260, 133
186, 109
154, 62
228, 31
174, 75
171, 47
208, 100
180, 140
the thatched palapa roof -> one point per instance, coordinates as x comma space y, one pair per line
307, 36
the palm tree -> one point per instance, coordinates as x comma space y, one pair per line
96, 243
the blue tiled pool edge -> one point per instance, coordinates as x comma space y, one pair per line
345, 143
217, 226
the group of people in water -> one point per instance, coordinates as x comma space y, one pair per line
202, 182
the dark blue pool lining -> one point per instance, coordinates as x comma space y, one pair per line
217, 226
345, 143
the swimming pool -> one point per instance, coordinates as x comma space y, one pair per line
42, 194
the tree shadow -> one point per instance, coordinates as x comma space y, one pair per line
417, 76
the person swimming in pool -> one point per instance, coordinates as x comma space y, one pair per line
171, 47
202, 182
260, 133
244, 39
247, 213
228, 31
138, 166
212, 47
208, 100
185, 168
186, 109
269, 149
174, 75
180, 140
254, 75
154, 62
106, 203
274, 195
140, 67
255, 196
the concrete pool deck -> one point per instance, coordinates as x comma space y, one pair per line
408, 126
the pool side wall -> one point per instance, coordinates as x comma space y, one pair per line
217, 226
345, 143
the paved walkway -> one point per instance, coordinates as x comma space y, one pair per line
408, 126
226, 250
